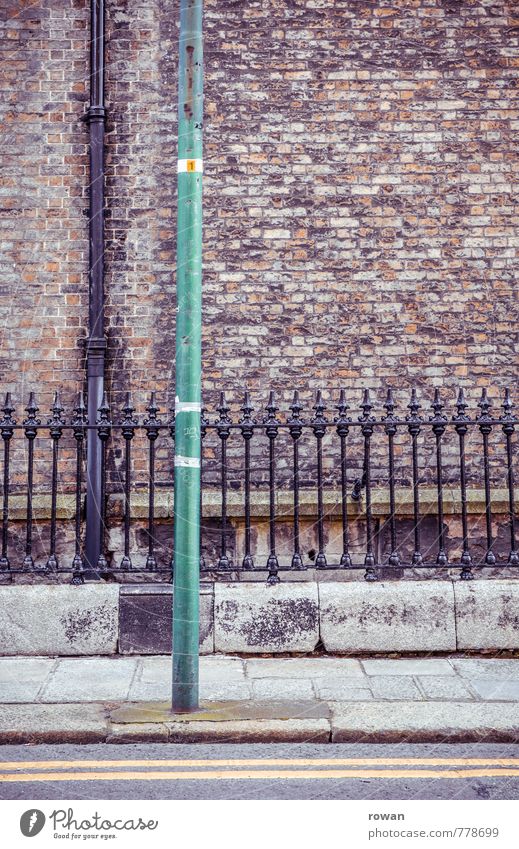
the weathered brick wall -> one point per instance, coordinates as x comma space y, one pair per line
43, 195
360, 169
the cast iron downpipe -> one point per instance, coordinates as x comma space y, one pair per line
96, 343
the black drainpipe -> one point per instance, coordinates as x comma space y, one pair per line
96, 343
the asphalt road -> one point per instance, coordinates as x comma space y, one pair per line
288, 771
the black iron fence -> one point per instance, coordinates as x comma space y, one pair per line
354, 454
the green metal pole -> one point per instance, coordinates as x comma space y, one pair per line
188, 361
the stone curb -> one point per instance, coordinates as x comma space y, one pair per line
351, 722
425, 722
252, 618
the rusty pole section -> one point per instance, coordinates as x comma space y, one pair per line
188, 361
96, 343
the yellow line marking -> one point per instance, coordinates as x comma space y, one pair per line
260, 762
197, 775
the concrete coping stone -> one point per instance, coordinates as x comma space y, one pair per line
211, 504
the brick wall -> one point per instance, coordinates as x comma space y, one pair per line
360, 217
43, 195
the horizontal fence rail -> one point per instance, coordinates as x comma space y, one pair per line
353, 454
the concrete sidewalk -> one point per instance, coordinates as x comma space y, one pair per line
318, 699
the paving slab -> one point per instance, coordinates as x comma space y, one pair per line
487, 667
276, 688
37, 723
90, 679
304, 667
425, 722
492, 690
408, 666
220, 678
394, 687
222, 666
212, 668
447, 688
342, 691
22, 678
160, 690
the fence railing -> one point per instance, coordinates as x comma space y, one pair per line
244, 453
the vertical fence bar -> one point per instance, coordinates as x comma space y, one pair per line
271, 432
56, 424
102, 431
30, 426
509, 421
247, 429
390, 428
7, 429
367, 430
414, 426
461, 421
342, 421
128, 425
438, 422
222, 429
79, 425
295, 428
318, 424
151, 425
485, 427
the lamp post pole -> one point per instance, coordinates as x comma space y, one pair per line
186, 556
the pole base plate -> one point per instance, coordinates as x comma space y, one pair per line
161, 712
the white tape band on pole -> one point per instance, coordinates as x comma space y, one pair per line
187, 407
187, 462
190, 165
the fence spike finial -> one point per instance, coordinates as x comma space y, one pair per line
319, 407
484, 404
128, 410
103, 409
413, 407
32, 407
296, 406
247, 420
366, 407
56, 410
437, 419
8, 410
79, 411
460, 402
507, 405
152, 409
271, 410
223, 409
389, 405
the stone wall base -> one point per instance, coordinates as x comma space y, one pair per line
407, 617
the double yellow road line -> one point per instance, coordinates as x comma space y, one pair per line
257, 768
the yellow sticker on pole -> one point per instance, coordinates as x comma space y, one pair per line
190, 165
